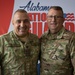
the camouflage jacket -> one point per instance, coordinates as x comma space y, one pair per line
58, 53
17, 58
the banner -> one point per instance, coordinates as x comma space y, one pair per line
37, 11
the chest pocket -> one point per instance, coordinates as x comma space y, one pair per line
13, 50
55, 50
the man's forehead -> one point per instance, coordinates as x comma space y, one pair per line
18, 14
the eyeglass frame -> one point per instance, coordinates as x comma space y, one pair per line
56, 17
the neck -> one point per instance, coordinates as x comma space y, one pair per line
24, 38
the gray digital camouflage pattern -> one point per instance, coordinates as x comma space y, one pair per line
58, 53
17, 58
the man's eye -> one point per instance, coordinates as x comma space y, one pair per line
56, 17
26, 21
50, 16
18, 21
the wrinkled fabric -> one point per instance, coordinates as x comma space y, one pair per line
58, 53
17, 58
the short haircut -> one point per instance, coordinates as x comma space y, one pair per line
20, 10
57, 8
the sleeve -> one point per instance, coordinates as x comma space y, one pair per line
0, 70
1, 50
1, 47
72, 52
40, 48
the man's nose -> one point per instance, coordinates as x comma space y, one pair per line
54, 18
22, 24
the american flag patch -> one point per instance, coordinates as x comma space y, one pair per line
69, 17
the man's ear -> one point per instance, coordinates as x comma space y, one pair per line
12, 21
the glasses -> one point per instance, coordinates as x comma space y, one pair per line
55, 17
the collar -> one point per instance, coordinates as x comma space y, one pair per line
15, 35
58, 35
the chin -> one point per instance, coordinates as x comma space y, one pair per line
22, 35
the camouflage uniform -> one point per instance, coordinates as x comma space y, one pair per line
58, 53
17, 58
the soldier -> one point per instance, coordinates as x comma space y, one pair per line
57, 46
19, 49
